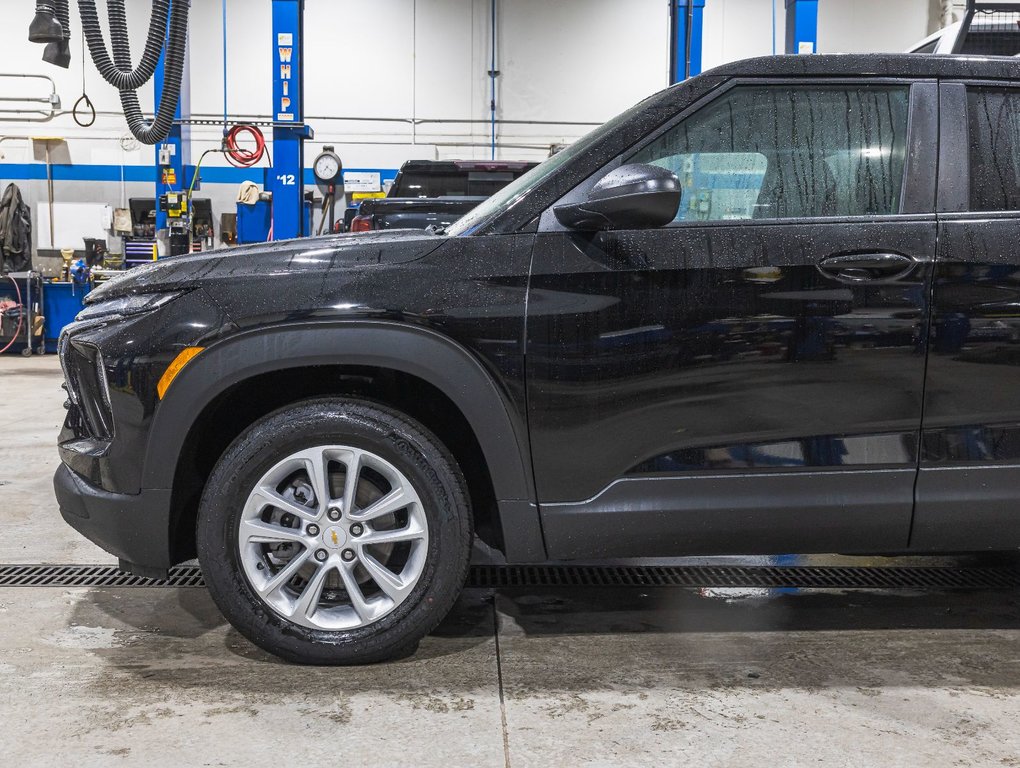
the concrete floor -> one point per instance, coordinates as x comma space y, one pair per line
607, 677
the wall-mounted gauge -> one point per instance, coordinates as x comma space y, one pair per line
327, 167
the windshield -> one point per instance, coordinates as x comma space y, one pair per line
470, 222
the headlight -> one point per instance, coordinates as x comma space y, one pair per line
127, 305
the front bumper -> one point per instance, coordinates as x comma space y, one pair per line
134, 528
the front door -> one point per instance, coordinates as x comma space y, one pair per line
747, 379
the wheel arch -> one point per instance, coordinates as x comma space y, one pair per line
420, 354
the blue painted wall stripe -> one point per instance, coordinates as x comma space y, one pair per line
147, 174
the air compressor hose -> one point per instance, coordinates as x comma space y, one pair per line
238, 156
17, 332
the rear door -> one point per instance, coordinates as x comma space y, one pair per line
748, 378
968, 491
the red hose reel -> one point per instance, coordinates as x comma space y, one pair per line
243, 157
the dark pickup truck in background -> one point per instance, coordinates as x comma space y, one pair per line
988, 29
434, 193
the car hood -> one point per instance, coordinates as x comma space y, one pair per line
297, 257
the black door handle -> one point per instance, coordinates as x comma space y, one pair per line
861, 267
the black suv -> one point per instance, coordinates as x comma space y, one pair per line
773, 309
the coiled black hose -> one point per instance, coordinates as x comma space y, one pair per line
120, 75
63, 9
120, 68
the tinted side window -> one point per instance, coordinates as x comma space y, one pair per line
778, 152
994, 116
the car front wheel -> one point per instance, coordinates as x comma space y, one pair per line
335, 532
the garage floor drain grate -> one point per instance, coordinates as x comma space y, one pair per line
769, 577
523, 576
92, 576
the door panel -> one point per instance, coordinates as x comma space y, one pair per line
719, 351
968, 488
749, 378
972, 410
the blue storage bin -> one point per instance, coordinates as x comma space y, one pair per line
253, 222
61, 303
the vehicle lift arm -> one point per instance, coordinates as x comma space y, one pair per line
285, 179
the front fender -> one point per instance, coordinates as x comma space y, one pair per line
423, 353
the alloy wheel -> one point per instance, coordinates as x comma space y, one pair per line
333, 538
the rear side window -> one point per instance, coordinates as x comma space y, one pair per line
780, 152
994, 116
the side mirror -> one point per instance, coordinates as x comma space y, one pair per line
631, 197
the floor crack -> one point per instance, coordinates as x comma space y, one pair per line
499, 682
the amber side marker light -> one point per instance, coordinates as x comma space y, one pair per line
186, 356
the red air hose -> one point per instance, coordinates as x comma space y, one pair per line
21, 315
239, 156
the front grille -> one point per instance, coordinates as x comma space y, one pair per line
553, 576
87, 388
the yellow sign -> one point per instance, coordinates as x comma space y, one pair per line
367, 195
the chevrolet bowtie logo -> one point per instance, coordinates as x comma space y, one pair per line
336, 539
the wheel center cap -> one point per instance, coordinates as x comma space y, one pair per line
334, 537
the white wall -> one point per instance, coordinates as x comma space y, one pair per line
428, 59
579, 61
737, 29
391, 59
575, 61
864, 26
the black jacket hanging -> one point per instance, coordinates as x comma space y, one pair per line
15, 232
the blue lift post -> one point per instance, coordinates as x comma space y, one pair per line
686, 25
171, 177
286, 178
802, 26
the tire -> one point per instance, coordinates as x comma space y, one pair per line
395, 453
